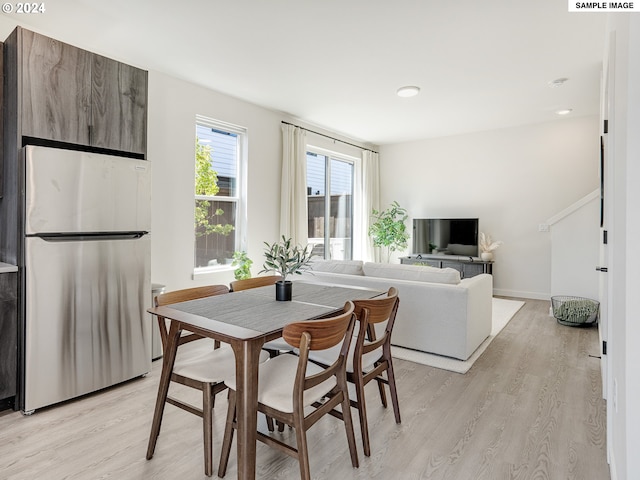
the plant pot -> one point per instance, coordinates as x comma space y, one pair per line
486, 256
284, 290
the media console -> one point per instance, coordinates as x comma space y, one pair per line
467, 266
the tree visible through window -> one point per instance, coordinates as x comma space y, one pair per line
217, 162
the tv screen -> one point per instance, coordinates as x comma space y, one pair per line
446, 236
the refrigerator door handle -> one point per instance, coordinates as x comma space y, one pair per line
66, 237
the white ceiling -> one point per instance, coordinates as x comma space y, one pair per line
338, 63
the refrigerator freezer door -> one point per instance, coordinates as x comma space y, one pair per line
68, 191
86, 322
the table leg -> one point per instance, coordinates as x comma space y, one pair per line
163, 388
247, 354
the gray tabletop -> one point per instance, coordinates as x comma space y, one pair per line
257, 309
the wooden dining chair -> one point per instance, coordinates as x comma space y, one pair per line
288, 384
370, 356
205, 371
254, 282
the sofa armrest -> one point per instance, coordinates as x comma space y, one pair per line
479, 309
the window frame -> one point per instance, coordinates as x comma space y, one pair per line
240, 198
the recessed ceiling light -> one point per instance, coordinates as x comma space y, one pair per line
408, 91
565, 111
558, 82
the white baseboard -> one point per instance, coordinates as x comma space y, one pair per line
520, 294
612, 466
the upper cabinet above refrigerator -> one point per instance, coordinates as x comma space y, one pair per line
69, 95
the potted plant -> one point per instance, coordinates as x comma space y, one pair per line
285, 259
389, 230
487, 246
243, 265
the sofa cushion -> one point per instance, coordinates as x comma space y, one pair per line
348, 267
419, 273
466, 250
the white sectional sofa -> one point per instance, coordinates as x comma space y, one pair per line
439, 313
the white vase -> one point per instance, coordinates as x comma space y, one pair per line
486, 256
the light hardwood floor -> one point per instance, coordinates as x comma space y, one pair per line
530, 408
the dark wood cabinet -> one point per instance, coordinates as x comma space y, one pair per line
464, 265
8, 338
66, 94
54, 89
119, 106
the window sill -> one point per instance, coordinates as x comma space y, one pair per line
197, 272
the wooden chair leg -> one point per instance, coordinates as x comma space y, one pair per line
348, 425
303, 451
207, 421
383, 395
225, 450
393, 390
362, 412
163, 389
270, 423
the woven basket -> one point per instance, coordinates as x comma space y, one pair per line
575, 311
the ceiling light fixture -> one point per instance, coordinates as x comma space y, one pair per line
408, 91
558, 82
565, 111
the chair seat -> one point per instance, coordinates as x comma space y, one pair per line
276, 379
278, 345
330, 355
214, 366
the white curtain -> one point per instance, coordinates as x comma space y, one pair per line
293, 189
370, 195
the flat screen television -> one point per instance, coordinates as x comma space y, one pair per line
446, 236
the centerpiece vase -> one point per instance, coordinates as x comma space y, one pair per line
284, 289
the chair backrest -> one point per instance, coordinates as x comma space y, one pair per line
187, 294
369, 312
319, 335
254, 282
184, 295
323, 333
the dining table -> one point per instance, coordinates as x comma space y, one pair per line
245, 320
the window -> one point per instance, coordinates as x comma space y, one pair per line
219, 217
330, 216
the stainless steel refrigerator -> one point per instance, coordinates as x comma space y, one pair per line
87, 273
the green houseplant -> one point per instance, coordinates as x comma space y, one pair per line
388, 230
243, 263
285, 259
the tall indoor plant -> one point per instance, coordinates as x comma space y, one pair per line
285, 259
388, 230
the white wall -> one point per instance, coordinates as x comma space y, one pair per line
511, 179
173, 105
632, 316
575, 247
